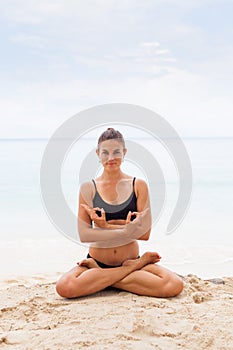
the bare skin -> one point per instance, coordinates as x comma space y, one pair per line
142, 276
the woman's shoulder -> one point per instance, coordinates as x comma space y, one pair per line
87, 188
88, 185
140, 182
140, 185
87, 192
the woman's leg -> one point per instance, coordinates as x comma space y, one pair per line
90, 278
152, 280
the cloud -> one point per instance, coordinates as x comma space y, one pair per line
150, 45
30, 12
63, 56
33, 41
144, 58
179, 96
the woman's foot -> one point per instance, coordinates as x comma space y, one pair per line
145, 259
90, 263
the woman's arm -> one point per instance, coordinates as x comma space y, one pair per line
109, 236
143, 202
98, 218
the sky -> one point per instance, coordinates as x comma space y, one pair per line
59, 57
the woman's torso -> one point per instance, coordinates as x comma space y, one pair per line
117, 200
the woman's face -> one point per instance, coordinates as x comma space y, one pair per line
111, 153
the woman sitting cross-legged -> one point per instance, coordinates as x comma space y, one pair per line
114, 213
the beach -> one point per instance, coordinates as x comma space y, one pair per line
158, 72
33, 316
34, 254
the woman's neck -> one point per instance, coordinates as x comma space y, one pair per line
112, 176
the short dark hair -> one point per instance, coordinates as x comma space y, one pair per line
111, 134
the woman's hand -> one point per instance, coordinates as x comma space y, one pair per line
131, 214
140, 224
120, 222
97, 215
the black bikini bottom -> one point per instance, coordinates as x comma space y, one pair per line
102, 265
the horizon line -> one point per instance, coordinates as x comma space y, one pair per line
127, 138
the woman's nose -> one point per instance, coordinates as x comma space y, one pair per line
111, 156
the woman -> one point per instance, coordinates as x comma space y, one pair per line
114, 212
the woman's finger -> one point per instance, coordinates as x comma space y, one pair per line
136, 213
97, 211
103, 215
128, 217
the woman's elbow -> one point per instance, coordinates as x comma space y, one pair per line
145, 237
82, 237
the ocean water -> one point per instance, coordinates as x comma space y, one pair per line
202, 243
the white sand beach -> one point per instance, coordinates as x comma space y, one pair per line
159, 72
33, 316
33, 256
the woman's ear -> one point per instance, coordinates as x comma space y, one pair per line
125, 151
98, 155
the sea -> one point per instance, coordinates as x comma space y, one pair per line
201, 244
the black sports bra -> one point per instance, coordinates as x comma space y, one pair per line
119, 211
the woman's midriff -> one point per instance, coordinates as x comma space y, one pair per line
116, 255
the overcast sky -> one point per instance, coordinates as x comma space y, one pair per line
59, 57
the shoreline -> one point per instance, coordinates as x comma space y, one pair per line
49, 258
34, 277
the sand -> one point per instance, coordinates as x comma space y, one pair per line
33, 316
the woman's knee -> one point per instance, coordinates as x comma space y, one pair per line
65, 288
173, 285
179, 285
